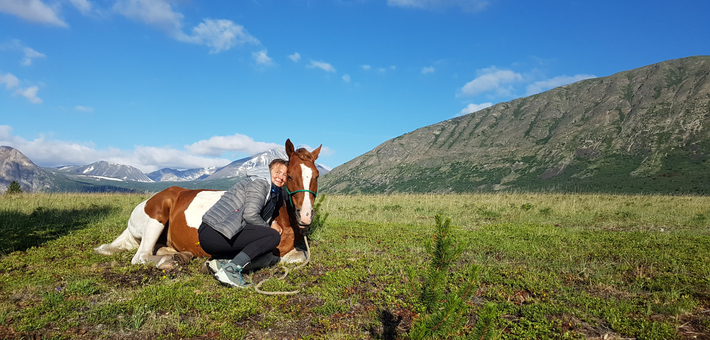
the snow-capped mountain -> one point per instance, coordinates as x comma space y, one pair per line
106, 170
174, 175
14, 166
257, 165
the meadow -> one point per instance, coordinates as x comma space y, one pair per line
556, 266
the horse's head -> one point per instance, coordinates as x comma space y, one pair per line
302, 182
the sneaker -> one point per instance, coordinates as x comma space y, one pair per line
214, 265
231, 275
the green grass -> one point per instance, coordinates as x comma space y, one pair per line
556, 266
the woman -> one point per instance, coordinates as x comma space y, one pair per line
241, 226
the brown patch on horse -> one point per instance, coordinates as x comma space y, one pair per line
160, 205
168, 207
180, 235
289, 236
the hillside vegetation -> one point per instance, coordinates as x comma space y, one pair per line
555, 266
638, 131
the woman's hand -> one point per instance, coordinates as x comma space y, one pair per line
275, 225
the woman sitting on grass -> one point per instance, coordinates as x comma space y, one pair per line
240, 231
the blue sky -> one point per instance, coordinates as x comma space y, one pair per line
187, 84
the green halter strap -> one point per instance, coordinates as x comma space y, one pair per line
290, 194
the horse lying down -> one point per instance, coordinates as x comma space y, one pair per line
164, 227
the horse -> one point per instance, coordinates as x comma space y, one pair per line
164, 227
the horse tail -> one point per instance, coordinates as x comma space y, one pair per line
130, 238
123, 242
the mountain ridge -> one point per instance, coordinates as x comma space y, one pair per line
105, 176
632, 127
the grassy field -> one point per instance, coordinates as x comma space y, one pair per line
555, 266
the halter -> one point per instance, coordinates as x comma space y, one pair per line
290, 194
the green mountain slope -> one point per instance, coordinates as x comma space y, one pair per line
638, 131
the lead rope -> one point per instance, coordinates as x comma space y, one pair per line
308, 259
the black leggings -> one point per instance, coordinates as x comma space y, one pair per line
252, 240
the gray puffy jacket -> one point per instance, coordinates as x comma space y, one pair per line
239, 206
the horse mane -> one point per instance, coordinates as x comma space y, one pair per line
304, 154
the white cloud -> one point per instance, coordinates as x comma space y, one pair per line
220, 35
30, 93
466, 5
84, 108
295, 57
83, 6
148, 158
9, 80
346, 78
547, 84
491, 79
321, 65
156, 13
261, 58
366, 67
385, 69
218, 145
429, 69
473, 108
33, 10
29, 55
51, 153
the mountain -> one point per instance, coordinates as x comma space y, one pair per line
257, 165
14, 166
174, 175
638, 131
108, 170
109, 177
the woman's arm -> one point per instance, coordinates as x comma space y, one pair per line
255, 198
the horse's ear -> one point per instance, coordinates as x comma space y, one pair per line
316, 152
289, 147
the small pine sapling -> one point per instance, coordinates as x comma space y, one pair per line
319, 218
14, 188
446, 311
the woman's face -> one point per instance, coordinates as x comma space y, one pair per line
278, 174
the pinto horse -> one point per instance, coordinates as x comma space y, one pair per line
164, 227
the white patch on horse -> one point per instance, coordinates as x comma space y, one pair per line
202, 202
307, 206
147, 230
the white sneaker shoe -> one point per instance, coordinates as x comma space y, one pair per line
214, 265
231, 275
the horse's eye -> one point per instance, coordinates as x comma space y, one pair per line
289, 177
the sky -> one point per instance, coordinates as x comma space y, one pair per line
189, 84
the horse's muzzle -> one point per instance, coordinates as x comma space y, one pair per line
304, 218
